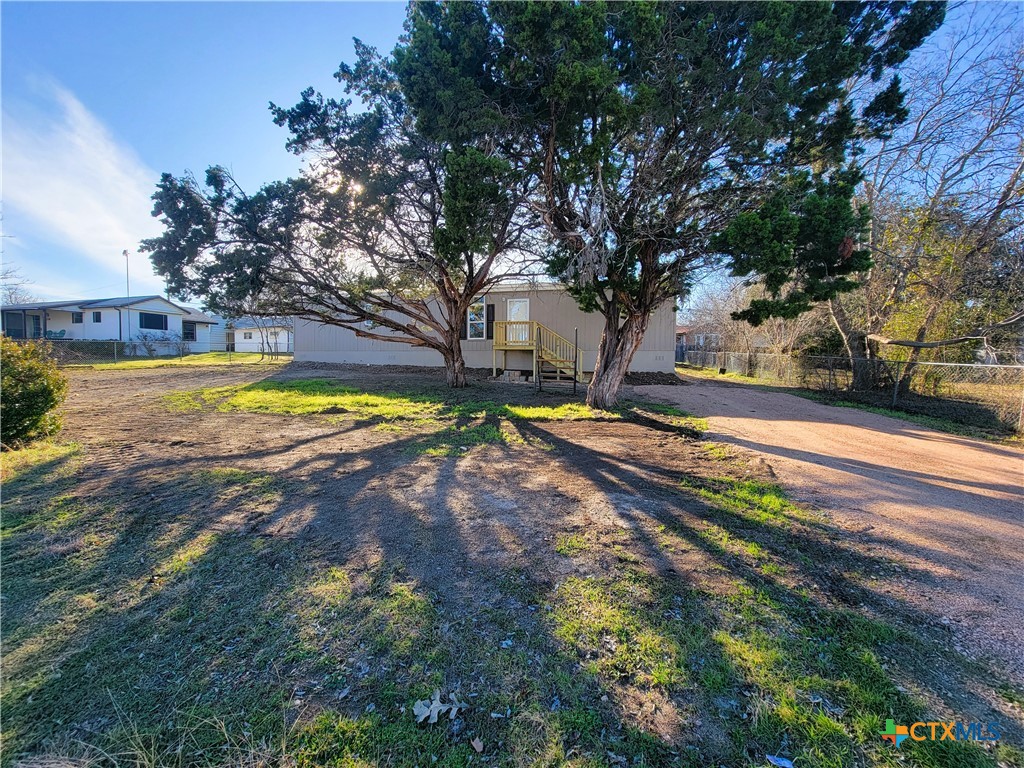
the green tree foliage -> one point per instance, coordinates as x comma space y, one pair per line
660, 133
390, 233
31, 389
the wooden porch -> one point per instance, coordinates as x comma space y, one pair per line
555, 358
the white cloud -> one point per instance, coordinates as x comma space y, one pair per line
67, 179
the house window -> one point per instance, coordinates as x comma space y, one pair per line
476, 317
76, 318
273, 334
97, 317
188, 331
150, 321
247, 334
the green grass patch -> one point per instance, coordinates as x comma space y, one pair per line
712, 373
600, 620
318, 396
764, 502
205, 358
571, 544
455, 440
1011, 695
35, 460
440, 427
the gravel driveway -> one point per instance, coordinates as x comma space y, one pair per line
951, 508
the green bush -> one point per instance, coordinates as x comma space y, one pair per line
31, 388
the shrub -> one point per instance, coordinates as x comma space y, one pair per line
31, 388
178, 344
148, 341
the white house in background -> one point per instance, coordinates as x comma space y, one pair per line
529, 328
116, 319
266, 335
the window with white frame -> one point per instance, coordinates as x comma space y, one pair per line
97, 317
188, 331
247, 334
476, 320
76, 318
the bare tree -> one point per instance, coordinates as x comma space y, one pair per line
13, 287
714, 310
945, 189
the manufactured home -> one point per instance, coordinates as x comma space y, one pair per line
525, 328
266, 335
116, 319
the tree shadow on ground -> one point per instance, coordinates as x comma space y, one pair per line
588, 598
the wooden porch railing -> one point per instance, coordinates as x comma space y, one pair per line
552, 353
514, 334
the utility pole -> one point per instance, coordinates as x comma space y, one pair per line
127, 294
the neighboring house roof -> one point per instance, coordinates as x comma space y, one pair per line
123, 301
117, 302
195, 316
682, 329
269, 322
42, 305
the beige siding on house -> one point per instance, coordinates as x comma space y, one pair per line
551, 307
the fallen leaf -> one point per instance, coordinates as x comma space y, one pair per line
429, 709
477, 744
781, 762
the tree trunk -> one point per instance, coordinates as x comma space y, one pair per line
915, 352
454, 363
614, 354
862, 353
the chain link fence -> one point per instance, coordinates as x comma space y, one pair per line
987, 396
76, 352
71, 352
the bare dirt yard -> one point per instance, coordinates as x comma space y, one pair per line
950, 507
281, 565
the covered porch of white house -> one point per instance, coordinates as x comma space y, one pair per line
64, 322
24, 323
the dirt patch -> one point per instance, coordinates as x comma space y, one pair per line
949, 508
653, 377
610, 588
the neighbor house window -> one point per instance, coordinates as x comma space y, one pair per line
188, 331
247, 335
273, 334
476, 317
150, 321
97, 317
76, 318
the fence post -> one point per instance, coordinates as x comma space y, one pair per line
115, 351
1020, 418
575, 356
536, 357
896, 383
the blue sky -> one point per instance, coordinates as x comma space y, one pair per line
100, 98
